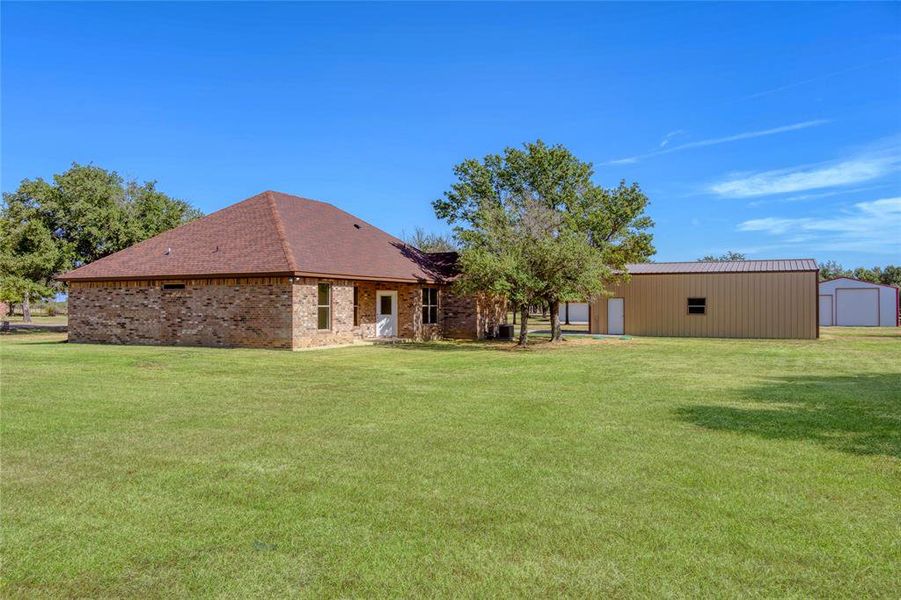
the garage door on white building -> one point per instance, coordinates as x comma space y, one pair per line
578, 312
857, 307
849, 302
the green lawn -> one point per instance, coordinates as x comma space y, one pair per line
38, 319
647, 467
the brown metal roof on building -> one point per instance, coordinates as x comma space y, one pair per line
733, 266
272, 234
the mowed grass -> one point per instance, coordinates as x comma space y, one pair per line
38, 319
646, 467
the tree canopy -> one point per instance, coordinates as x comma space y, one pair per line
725, 257
83, 214
29, 257
429, 242
533, 226
888, 275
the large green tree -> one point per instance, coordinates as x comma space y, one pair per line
29, 257
83, 214
533, 226
495, 259
891, 275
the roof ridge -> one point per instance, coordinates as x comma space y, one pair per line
679, 262
280, 230
287, 196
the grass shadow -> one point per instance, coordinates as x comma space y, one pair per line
878, 335
535, 343
449, 346
855, 414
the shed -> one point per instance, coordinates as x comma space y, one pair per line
734, 299
849, 302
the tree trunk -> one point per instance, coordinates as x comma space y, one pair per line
515, 308
26, 308
567, 313
524, 326
556, 332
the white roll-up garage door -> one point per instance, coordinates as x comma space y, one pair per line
857, 307
578, 312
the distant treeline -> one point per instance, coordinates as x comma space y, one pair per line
888, 275
830, 269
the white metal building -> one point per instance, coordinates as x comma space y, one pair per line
854, 303
573, 312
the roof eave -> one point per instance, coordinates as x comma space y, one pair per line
633, 274
65, 278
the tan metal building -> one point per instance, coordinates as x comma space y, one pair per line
736, 299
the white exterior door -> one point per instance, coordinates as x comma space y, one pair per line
857, 307
386, 314
615, 317
826, 311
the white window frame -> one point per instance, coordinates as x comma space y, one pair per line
426, 307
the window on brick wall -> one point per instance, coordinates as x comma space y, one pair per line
356, 306
324, 306
429, 306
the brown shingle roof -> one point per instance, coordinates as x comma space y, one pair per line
272, 234
734, 266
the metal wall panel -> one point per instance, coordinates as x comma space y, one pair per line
743, 305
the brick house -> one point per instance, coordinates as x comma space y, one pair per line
273, 271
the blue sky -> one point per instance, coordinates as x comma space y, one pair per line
772, 129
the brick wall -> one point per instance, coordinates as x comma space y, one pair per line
255, 312
343, 330
460, 314
306, 332
470, 316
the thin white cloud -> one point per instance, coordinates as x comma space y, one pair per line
670, 136
865, 227
716, 141
815, 195
622, 161
795, 84
799, 179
